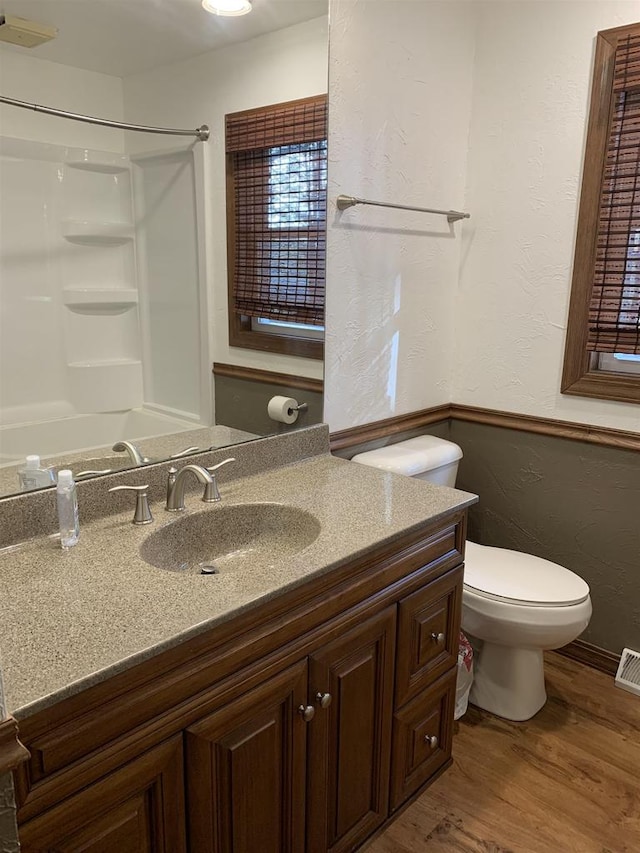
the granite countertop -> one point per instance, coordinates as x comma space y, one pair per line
73, 619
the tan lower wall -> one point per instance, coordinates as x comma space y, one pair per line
441, 429
568, 500
575, 503
242, 404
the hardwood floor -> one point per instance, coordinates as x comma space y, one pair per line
567, 781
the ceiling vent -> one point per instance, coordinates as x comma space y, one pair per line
24, 33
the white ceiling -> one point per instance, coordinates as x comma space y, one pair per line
122, 37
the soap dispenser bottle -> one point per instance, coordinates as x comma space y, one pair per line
67, 500
33, 476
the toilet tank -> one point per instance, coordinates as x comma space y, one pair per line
425, 457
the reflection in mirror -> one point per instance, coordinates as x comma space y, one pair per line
113, 288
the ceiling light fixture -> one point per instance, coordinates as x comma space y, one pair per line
227, 7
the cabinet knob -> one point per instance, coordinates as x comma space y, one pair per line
432, 740
438, 638
323, 699
307, 712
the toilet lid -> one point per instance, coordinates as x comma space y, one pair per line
514, 576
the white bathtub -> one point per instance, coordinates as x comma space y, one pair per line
80, 433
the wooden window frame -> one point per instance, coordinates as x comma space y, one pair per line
241, 333
581, 375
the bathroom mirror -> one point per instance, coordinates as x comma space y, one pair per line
113, 286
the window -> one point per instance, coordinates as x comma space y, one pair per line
619, 363
276, 226
603, 332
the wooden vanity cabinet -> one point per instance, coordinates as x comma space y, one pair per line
275, 762
296, 728
138, 808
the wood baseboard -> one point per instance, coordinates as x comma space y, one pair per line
268, 377
593, 656
389, 426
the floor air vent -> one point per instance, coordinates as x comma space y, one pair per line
628, 674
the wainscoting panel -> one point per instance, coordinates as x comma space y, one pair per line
242, 395
569, 501
564, 491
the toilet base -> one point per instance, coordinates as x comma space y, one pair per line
508, 681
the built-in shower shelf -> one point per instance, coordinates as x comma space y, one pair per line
106, 386
91, 161
105, 362
100, 300
91, 233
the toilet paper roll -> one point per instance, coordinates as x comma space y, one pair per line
283, 410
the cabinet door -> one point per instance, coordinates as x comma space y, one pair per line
246, 766
422, 735
136, 809
350, 740
428, 628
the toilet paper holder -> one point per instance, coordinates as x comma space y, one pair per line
285, 410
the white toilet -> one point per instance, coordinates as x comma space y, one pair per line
514, 605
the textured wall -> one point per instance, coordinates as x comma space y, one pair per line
27, 78
8, 831
8, 828
279, 66
399, 110
526, 144
574, 503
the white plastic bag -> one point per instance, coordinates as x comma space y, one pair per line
464, 679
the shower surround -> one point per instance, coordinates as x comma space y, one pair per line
85, 303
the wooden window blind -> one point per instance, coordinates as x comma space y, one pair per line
277, 167
614, 309
604, 310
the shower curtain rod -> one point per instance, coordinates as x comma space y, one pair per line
202, 133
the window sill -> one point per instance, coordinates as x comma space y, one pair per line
603, 385
269, 342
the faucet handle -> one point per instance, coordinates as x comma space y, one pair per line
211, 492
220, 464
142, 514
184, 452
172, 473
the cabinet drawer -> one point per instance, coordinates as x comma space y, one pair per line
428, 626
422, 735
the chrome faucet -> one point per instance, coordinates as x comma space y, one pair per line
207, 476
175, 486
134, 454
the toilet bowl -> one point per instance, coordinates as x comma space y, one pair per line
514, 605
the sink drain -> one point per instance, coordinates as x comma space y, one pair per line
208, 570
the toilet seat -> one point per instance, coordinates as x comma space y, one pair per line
513, 577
